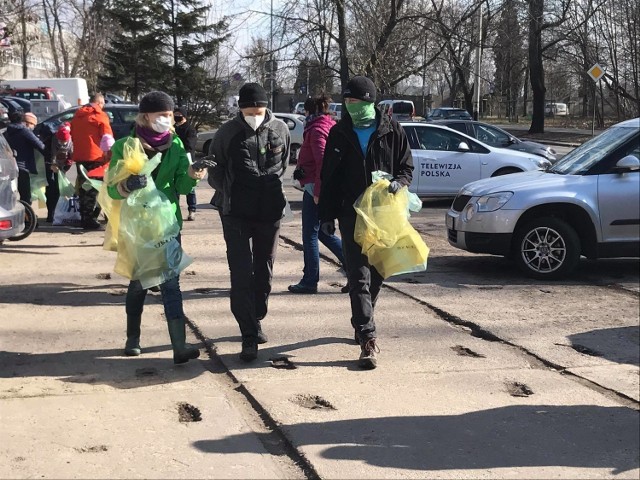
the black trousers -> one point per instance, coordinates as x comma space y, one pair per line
87, 199
251, 252
24, 186
364, 282
52, 192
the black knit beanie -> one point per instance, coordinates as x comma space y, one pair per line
157, 101
252, 95
361, 88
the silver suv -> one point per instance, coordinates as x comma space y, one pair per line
587, 204
11, 210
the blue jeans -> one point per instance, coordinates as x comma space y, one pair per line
171, 299
310, 235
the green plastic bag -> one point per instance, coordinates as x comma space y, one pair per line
65, 186
39, 182
148, 246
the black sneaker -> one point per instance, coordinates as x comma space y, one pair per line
368, 359
299, 288
249, 351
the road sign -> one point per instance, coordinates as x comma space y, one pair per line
596, 72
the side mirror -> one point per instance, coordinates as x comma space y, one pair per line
463, 147
630, 163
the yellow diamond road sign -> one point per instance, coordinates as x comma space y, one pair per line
596, 72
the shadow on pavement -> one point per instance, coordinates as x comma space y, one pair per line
621, 345
581, 436
465, 270
99, 367
65, 294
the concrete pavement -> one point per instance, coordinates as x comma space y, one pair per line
444, 403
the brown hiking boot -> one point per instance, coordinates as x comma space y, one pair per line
368, 359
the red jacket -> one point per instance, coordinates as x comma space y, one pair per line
312, 151
89, 124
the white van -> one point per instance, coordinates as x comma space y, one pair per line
399, 110
556, 109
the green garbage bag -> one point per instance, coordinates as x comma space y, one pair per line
148, 246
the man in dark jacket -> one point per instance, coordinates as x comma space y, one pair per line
251, 152
362, 142
189, 137
23, 142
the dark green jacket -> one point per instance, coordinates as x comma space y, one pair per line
171, 176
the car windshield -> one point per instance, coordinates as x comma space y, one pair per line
583, 158
402, 107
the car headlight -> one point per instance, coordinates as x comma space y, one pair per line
493, 202
541, 163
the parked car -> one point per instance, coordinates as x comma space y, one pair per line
556, 109
448, 112
299, 108
296, 129
11, 105
204, 141
496, 137
335, 109
11, 210
4, 116
399, 110
587, 204
24, 103
445, 160
121, 116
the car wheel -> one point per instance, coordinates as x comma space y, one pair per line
506, 171
205, 147
293, 155
547, 248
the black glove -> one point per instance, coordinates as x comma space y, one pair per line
203, 163
328, 228
395, 186
135, 182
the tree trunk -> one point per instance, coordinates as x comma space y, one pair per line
342, 44
536, 67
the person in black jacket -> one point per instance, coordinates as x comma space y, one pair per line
23, 141
189, 137
251, 153
362, 142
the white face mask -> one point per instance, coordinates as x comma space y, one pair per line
162, 124
254, 121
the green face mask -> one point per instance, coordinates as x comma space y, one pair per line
362, 113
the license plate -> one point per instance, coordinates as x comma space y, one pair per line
451, 222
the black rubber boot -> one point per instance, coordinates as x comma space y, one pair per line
132, 347
182, 352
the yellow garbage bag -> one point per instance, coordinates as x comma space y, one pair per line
383, 229
133, 161
382, 216
409, 254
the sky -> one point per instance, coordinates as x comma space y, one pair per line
248, 19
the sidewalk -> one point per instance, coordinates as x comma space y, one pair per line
71, 406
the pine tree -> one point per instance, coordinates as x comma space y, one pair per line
192, 42
134, 62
